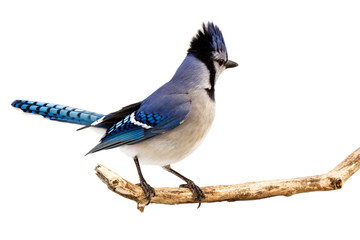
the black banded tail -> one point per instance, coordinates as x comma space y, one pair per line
58, 112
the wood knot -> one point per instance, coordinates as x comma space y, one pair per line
115, 182
336, 183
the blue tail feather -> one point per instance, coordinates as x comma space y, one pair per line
58, 112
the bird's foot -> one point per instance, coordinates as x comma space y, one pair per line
197, 192
148, 190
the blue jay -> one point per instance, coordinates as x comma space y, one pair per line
169, 124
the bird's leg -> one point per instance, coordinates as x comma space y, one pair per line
148, 190
197, 192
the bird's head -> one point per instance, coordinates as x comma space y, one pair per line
208, 46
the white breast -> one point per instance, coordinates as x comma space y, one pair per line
175, 145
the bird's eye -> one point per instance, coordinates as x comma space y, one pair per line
220, 61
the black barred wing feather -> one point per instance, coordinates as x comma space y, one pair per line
136, 127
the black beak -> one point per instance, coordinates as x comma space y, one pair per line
231, 64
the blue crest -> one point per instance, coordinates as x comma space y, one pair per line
208, 43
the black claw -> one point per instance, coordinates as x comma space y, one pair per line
148, 190
197, 192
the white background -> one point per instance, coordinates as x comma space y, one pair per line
291, 108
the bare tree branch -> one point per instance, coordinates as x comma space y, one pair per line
245, 191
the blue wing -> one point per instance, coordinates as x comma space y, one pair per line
144, 124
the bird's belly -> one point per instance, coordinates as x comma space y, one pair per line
175, 145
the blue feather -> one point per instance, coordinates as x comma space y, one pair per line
135, 128
58, 112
